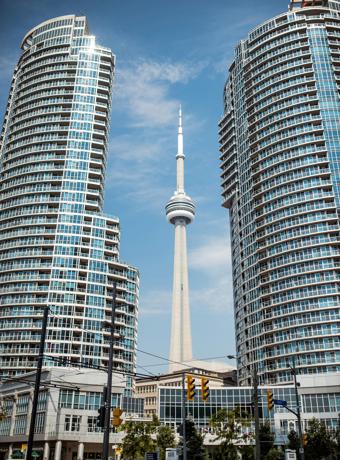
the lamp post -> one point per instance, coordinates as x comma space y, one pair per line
256, 407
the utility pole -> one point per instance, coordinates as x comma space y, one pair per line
298, 412
184, 418
107, 402
37, 385
256, 414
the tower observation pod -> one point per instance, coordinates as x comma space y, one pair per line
180, 212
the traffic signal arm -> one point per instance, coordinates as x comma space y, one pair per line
190, 388
205, 388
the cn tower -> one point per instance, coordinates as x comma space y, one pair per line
180, 212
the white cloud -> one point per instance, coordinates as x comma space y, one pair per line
211, 256
143, 161
156, 302
142, 89
211, 259
216, 294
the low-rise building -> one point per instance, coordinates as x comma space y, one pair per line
319, 397
66, 423
148, 387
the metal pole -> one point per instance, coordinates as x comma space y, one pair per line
256, 414
107, 402
37, 385
184, 418
298, 413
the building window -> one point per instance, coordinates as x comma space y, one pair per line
72, 422
92, 426
20, 424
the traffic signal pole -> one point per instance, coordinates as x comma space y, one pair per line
107, 402
184, 417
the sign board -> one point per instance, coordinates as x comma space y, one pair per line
290, 454
280, 402
151, 456
171, 453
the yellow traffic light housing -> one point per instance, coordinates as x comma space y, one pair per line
190, 388
305, 439
205, 388
270, 399
116, 416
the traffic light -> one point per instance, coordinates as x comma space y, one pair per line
101, 417
190, 388
116, 413
305, 439
205, 388
270, 399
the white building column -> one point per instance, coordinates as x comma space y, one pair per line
10, 451
57, 452
80, 454
46, 451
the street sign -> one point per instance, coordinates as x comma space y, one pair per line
280, 402
301, 450
151, 456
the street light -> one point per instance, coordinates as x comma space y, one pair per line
256, 407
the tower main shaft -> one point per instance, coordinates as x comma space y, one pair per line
180, 211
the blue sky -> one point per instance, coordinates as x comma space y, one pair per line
168, 52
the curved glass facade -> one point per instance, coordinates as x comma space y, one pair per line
57, 248
280, 161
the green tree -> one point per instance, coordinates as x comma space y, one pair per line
194, 441
274, 454
247, 452
138, 438
336, 448
165, 438
228, 426
320, 442
293, 440
266, 438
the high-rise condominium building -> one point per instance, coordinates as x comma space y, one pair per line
280, 161
57, 248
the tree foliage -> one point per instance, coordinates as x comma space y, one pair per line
293, 440
194, 441
336, 446
274, 454
165, 438
266, 438
138, 438
229, 429
320, 441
